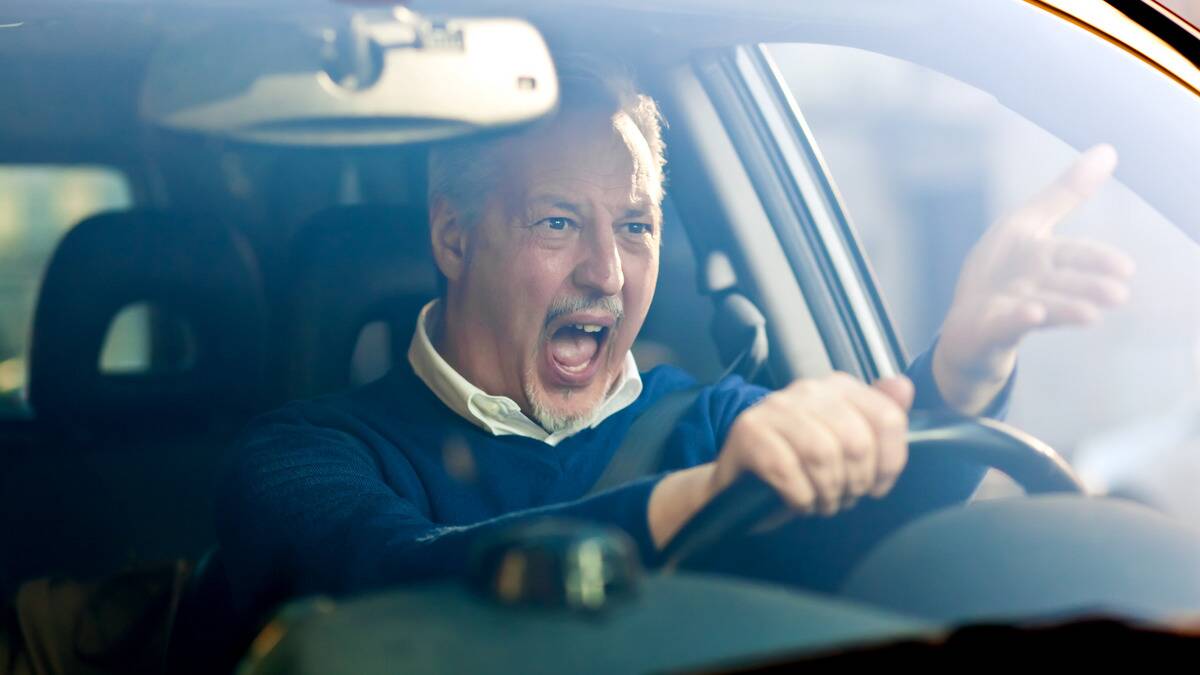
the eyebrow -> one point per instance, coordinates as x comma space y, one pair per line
557, 202
573, 208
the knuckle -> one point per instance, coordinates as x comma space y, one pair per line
841, 379
748, 427
773, 468
892, 418
822, 452
858, 442
801, 387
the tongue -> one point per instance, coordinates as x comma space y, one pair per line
572, 348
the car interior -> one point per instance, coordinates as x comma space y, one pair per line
265, 275
246, 275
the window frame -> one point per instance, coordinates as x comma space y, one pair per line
805, 211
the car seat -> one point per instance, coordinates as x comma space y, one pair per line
121, 465
351, 267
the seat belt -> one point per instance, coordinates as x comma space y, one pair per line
737, 322
640, 454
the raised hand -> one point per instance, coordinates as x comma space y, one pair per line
1021, 277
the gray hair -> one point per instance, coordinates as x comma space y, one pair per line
465, 174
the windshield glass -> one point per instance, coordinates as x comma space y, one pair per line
924, 164
365, 398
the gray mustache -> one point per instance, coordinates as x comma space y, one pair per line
609, 304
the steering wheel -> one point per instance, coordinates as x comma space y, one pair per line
1032, 464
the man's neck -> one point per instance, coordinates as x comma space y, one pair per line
446, 324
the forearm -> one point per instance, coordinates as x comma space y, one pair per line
675, 499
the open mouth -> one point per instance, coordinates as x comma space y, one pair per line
575, 350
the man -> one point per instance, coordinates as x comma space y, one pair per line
520, 384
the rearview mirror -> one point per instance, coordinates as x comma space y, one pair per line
362, 78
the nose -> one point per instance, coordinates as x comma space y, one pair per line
599, 270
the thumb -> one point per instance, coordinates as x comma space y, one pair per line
897, 388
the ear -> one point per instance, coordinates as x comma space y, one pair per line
448, 237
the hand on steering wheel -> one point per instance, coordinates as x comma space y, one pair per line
748, 500
822, 444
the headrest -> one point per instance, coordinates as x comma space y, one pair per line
201, 273
352, 266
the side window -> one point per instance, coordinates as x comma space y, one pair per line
924, 163
38, 204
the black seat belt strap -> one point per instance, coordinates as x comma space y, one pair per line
640, 454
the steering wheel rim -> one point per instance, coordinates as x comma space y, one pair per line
1030, 462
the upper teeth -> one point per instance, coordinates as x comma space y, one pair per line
587, 327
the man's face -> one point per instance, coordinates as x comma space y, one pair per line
561, 268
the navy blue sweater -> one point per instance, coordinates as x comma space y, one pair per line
385, 484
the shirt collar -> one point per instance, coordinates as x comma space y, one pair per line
501, 415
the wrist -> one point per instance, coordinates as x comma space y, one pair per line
677, 498
968, 385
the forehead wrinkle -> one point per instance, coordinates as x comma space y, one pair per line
609, 165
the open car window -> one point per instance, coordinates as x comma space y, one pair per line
924, 163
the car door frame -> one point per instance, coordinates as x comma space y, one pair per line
809, 221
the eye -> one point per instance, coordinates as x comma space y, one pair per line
639, 228
557, 222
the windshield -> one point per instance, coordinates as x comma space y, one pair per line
924, 163
303, 391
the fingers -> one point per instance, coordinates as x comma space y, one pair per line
867, 428
833, 449
1080, 280
1096, 289
774, 460
822, 444
1093, 257
1068, 191
1008, 318
799, 419
1021, 277
884, 404
899, 389
1064, 310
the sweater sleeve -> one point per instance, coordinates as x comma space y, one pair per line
929, 398
306, 509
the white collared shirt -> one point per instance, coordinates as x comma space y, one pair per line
501, 415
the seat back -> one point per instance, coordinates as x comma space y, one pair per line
201, 274
352, 266
121, 466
